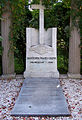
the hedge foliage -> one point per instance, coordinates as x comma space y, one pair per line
57, 15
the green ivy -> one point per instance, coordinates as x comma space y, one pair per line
0, 45
17, 8
56, 15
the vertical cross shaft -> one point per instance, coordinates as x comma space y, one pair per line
41, 26
41, 21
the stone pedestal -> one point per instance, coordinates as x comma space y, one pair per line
8, 55
41, 59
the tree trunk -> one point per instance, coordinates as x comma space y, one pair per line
8, 54
74, 49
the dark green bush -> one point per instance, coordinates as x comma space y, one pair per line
56, 15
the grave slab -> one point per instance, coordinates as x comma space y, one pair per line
41, 97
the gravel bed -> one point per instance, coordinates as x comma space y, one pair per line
10, 88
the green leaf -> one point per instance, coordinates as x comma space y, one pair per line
1, 39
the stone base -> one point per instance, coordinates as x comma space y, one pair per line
71, 75
6, 76
20, 76
40, 74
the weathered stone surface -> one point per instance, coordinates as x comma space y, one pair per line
41, 60
41, 49
41, 96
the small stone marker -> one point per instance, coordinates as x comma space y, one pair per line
41, 49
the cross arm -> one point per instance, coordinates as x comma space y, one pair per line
37, 7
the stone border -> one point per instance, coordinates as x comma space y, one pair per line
12, 76
20, 76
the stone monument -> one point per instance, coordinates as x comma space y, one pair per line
41, 96
41, 49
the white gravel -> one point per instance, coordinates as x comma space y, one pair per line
10, 88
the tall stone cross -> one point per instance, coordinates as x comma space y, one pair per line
41, 21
